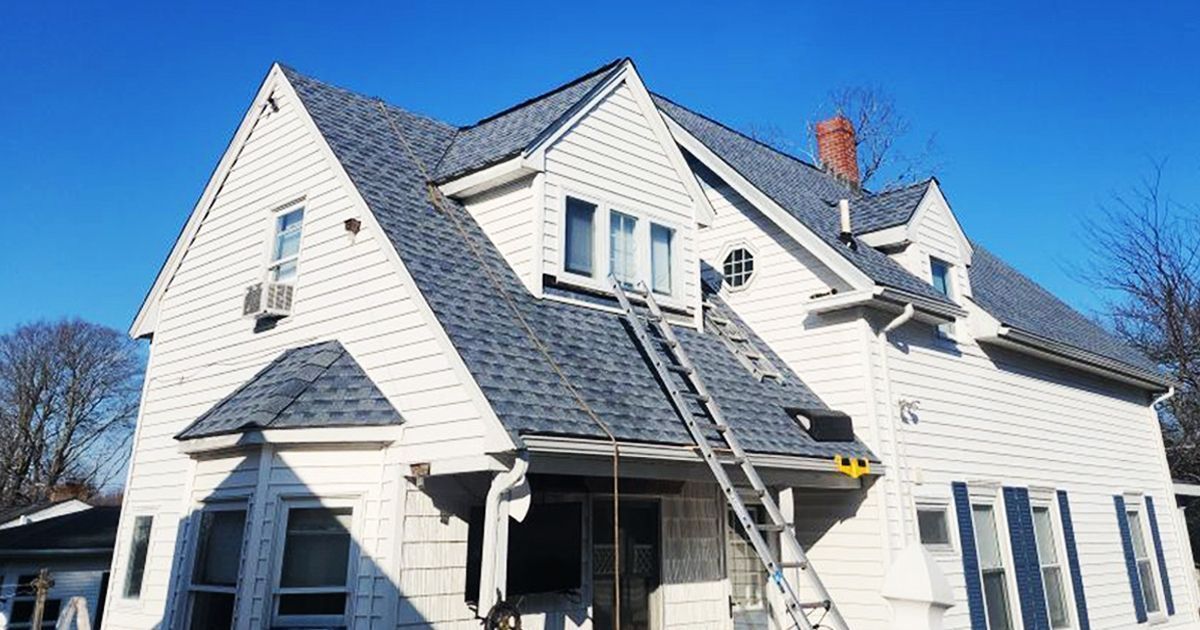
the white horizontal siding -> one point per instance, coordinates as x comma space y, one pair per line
613, 156
508, 217
1003, 417
347, 289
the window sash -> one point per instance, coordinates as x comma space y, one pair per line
579, 237
622, 254
933, 526
1052, 574
662, 241
1141, 556
322, 523
939, 271
139, 549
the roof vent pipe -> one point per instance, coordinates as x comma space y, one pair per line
847, 234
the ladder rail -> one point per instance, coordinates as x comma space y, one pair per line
795, 609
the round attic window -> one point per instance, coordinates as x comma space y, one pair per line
738, 267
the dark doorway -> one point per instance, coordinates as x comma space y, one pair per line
640, 564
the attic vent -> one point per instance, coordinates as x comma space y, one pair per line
739, 344
268, 299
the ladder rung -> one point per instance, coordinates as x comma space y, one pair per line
814, 605
718, 320
793, 564
682, 369
772, 527
698, 397
651, 317
738, 337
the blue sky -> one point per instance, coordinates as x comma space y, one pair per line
114, 116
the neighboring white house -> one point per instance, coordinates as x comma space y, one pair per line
379, 336
73, 542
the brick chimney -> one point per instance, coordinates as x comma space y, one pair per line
836, 149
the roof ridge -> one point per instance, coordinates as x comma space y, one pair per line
785, 154
533, 99
291, 73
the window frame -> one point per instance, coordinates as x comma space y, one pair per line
726, 253
644, 215
127, 566
275, 216
1135, 511
283, 509
1058, 543
988, 497
225, 505
934, 262
942, 507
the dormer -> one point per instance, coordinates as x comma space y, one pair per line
589, 183
915, 227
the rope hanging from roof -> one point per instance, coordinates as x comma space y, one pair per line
438, 201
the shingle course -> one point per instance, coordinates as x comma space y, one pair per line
318, 385
592, 347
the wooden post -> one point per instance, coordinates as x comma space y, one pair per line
41, 586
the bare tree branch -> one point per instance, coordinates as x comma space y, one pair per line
68, 398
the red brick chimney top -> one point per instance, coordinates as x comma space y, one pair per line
837, 150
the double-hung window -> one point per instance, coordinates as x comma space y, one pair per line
1145, 569
216, 566
1052, 574
313, 584
622, 248
285, 248
939, 272
991, 567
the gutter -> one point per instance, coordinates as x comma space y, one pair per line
1037, 345
507, 496
889, 300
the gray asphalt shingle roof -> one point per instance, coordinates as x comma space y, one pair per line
810, 195
799, 188
506, 134
93, 528
318, 385
464, 278
1018, 301
888, 208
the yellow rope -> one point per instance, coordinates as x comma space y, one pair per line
435, 197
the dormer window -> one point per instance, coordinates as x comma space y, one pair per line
638, 248
661, 240
939, 273
580, 236
622, 248
286, 248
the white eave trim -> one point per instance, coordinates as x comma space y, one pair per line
903, 234
673, 453
1063, 354
487, 178
536, 151
889, 300
147, 317
369, 437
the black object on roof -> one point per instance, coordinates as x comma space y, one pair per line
89, 531
318, 385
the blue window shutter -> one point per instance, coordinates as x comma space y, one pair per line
970, 559
1025, 558
1162, 558
1139, 604
1064, 511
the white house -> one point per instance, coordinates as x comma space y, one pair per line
73, 542
389, 386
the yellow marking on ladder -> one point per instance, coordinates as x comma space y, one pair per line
853, 467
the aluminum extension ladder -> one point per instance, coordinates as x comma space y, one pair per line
666, 344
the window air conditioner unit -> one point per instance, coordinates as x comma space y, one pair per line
268, 299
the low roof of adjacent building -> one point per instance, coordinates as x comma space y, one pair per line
88, 531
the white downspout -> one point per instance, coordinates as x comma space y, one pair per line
493, 569
889, 403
